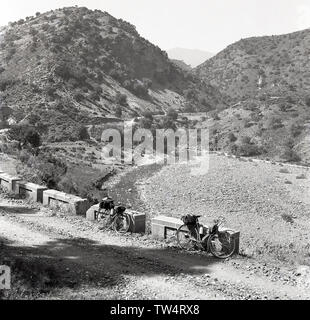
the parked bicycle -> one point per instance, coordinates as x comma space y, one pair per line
194, 236
114, 218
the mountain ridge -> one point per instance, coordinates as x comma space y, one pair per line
80, 65
192, 57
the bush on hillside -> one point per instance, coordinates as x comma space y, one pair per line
42, 169
83, 133
26, 136
296, 130
148, 115
232, 137
118, 112
121, 99
291, 156
172, 114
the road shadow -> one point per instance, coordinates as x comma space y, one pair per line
18, 210
76, 262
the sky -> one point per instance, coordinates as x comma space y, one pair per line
209, 25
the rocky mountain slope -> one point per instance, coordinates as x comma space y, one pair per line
74, 65
261, 65
267, 80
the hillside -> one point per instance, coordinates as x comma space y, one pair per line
76, 66
267, 80
182, 64
261, 65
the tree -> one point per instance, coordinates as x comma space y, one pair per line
118, 112
121, 99
25, 135
5, 112
167, 123
83, 133
172, 114
148, 115
34, 119
146, 123
232, 137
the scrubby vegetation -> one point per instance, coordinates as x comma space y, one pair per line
110, 70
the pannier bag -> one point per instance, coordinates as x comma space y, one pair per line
106, 204
189, 220
120, 210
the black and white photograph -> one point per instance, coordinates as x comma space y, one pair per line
155, 151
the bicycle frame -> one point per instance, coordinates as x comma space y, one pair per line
204, 239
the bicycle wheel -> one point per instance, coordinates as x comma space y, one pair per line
104, 220
121, 223
222, 245
188, 239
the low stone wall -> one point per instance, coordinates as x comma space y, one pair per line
31, 190
69, 203
161, 225
9, 182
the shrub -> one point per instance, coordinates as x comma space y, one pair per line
291, 156
146, 123
25, 135
284, 170
5, 83
301, 177
287, 217
246, 140
78, 97
249, 150
121, 99
139, 89
296, 130
168, 123
307, 101
83, 133
118, 112
148, 115
42, 169
232, 137
172, 114
276, 123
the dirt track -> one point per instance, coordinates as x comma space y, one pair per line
100, 265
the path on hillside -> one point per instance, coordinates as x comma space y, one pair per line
127, 267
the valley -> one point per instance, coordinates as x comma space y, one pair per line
69, 74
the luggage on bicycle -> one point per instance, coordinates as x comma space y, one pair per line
120, 210
189, 220
106, 204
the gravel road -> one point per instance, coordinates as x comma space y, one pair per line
103, 265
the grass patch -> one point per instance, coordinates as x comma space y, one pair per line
287, 218
301, 177
284, 170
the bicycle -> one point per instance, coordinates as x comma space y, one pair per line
115, 219
219, 243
